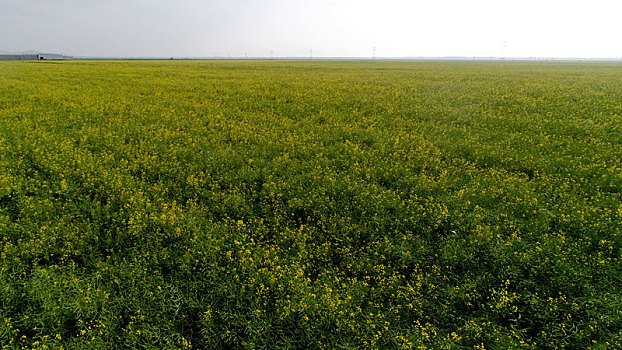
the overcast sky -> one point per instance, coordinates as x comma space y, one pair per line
397, 28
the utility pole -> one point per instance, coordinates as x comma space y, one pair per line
310, 53
373, 55
505, 43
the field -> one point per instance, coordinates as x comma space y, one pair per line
284, 204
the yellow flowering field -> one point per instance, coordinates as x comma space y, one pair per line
310, 204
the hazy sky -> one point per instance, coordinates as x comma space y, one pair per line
540, 28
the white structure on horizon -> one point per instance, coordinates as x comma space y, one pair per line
34, 57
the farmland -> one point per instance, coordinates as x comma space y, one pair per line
285, 204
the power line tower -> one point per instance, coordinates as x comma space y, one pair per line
373, 55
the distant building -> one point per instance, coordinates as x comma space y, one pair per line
19, 57
52, 57
37, 57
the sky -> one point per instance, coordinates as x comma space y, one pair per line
318, 28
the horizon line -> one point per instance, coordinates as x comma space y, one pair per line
358, 58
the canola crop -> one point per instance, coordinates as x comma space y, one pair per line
285, 204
